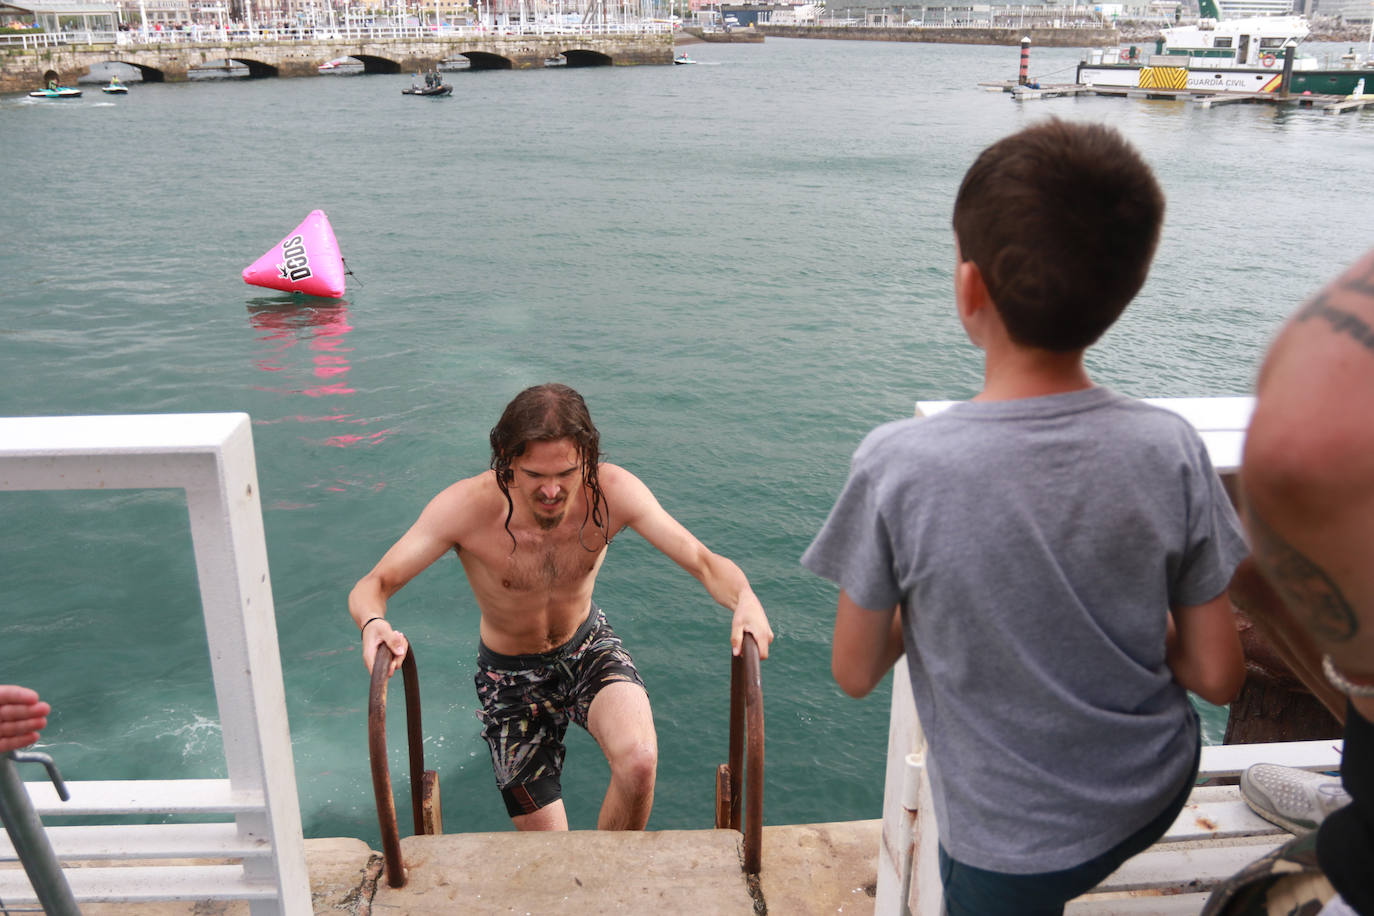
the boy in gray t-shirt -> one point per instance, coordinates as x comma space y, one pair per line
1052, 557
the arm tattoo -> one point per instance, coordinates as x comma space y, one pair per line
1342, 321
1308, 591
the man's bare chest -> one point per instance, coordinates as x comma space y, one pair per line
548, 565
536, 562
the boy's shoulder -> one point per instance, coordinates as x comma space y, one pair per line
1094, 412
1153, 420
894, 435
1089, 405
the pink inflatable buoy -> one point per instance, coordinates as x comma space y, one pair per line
306, 261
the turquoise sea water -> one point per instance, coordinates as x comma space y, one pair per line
743, 265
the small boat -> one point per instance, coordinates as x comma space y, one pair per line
115, 87
338, 63
433, 86
56, 92
441, 89
683, 59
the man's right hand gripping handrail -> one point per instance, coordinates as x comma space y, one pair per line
746, 706
422, 783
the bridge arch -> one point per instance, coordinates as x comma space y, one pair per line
256, 68
145, 73
485, 60
374, 64
584, 57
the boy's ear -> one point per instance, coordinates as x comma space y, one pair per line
970, 292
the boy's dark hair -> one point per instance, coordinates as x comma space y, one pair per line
1062, 220
540, 414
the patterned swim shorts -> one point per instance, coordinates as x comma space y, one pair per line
528, 700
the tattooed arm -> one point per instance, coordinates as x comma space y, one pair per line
1308, 473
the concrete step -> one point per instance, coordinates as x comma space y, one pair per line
807, 868
585, 871
813, 868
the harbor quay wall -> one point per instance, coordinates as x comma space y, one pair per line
970, 35
745, 35
21, 71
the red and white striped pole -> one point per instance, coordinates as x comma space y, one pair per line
1025, 60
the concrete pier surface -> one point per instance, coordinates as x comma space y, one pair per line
807, 868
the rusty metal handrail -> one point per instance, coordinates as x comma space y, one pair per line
381, 772
746, 708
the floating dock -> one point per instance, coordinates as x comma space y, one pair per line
1328, 104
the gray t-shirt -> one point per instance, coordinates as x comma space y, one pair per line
1036, 546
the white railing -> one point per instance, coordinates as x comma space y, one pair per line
1215, 836
209, 457
40, 40
211, 36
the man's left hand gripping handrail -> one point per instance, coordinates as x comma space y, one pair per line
424, 784
746, 704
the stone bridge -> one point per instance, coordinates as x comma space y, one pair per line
21, 71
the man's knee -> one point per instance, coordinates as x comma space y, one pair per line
636, 765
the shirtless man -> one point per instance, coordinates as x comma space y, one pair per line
531, 534
1308, 484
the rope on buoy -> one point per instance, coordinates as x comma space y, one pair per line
348, 271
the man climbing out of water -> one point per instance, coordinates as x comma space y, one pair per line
1307, 483
531, 534
1052, 557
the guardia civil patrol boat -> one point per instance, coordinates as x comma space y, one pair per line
1228, 55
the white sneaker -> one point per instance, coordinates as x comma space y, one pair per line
1297, 800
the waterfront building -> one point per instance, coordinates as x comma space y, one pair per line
155, 15
1240, 9
955, 13
1345, 11
60, 15
886, 15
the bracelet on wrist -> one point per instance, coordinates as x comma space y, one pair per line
372, 620
1343, 683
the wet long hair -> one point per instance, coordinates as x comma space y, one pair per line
541, 414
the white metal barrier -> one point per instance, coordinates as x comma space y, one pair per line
210, 457
1215, 836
